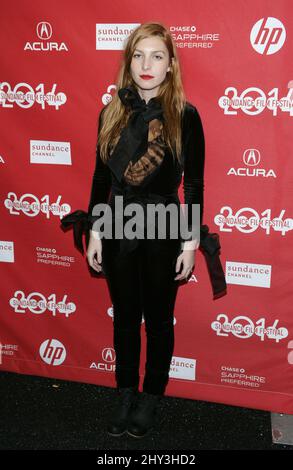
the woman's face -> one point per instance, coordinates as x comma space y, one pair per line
150, 58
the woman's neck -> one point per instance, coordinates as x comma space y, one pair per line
148, 94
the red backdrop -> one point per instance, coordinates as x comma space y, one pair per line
59, 63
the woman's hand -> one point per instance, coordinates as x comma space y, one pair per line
94, 248
187, 259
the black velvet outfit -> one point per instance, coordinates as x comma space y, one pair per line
140, 273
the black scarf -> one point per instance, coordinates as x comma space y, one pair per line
133, 141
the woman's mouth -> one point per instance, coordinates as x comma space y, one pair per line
146, 77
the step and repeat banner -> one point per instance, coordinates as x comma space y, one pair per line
59, 64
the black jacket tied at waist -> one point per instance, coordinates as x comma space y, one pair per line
209, 243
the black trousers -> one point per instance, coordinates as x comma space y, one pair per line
142, 284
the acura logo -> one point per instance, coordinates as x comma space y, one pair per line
108, 355
251, 157
44, 42
44, 30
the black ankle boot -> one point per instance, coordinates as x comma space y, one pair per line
119, 416
142, 416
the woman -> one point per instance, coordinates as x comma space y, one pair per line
148, 136
144, 280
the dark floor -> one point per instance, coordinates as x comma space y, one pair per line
44, 413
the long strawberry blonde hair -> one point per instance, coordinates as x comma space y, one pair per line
171, 95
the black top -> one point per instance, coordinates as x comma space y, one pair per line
162, 183
168, 179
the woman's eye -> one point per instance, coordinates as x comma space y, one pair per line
139, 55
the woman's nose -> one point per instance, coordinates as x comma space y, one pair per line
146, 65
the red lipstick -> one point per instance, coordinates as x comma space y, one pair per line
146, 77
